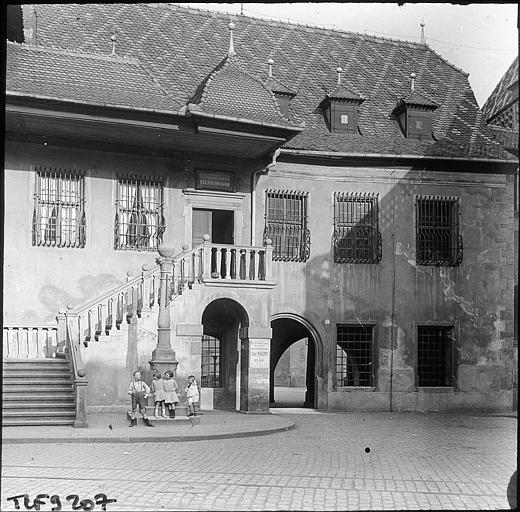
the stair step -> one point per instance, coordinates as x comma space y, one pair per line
38, 405
37, 375
36, 360
36, 385
43, 369
7, 388
35, 397
13, 421
38, 414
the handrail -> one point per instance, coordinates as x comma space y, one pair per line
88, 304
79, 371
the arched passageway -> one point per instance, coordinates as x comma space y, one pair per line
286, 333
222, 320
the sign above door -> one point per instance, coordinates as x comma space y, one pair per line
214, 181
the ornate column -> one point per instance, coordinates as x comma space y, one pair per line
163, 357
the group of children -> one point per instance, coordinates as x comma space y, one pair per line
165, 396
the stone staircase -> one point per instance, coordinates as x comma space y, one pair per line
37, 392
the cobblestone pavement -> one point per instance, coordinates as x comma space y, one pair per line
330, 461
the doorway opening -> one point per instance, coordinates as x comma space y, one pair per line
222, 319
218, 224
293, 361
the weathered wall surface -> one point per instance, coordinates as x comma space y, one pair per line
40, 280
476, 297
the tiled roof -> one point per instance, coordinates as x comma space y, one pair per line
276, 86
343, 93
181, 46
416, 99
506, 137
231, 91
502, 95
90, 78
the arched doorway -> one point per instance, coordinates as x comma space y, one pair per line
291, 331
222, 320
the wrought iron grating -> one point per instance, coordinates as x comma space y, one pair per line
59, 208
210, 362
354, 355
435, 356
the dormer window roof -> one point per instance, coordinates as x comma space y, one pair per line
282, 94
340, 108
414, 115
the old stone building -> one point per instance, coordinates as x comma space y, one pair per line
299, 183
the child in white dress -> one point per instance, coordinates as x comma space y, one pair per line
170, 393
158, 394
192, 394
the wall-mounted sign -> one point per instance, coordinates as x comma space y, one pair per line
214, 181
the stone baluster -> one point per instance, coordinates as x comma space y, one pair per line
147, 293
206, 258
256, 259
244, 257
227, 255
268, 259
100, 330
219, 262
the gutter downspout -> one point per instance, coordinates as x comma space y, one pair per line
254, 181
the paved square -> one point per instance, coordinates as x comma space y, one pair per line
330, 461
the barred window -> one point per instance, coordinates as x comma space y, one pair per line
59, 208
211, 362
354, 355
356, 237
437, 231
139, 222
286, 225
435, 356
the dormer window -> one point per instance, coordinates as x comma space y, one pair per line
340, 108
414, 115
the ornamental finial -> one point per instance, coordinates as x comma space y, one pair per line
231, 50
270, 61
412, 76
339, 69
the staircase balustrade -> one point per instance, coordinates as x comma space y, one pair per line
68, 323
30, 341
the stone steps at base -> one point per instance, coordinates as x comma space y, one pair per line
30, 421
38, 406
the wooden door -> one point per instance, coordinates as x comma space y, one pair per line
201, 225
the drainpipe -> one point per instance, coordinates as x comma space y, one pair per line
253, 196
392, 316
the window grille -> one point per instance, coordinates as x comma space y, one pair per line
356, 237
354, 355
286, 225
435, 356
210, 362
59, 208
139, 222
437, 231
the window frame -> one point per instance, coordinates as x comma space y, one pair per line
276, 228
59, 199
204, 377
373, 354
455, 247
453, 354
342, 225
154, 186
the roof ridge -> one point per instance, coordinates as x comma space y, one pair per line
291, 23
123, 59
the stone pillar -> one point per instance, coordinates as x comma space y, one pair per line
254, 369
163, 357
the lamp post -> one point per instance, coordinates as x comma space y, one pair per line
163, 357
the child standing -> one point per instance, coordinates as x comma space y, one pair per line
139, 392
158, 394
192, 393
170, 393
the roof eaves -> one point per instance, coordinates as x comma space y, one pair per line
389, 155
92, 103
200, 113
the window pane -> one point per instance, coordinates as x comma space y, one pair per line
58, 216
354, 364
435, 356
210, 362
139, 215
